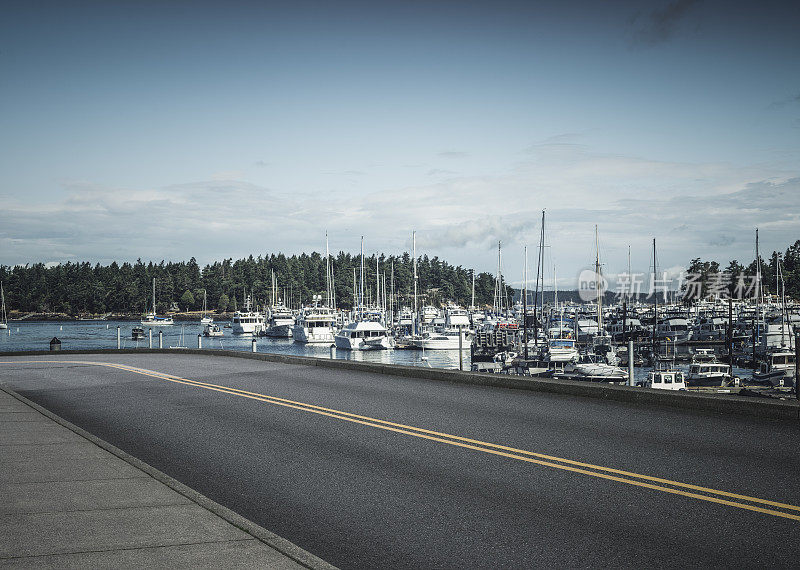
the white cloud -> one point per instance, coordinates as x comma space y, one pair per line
694, 210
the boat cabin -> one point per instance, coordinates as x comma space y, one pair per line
665, 380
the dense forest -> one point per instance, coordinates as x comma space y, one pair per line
82, 288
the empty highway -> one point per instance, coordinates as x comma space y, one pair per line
374, 471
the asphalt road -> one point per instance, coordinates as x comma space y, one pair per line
364, 494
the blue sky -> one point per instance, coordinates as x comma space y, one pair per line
171, 129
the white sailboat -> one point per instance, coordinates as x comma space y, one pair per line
205, 320
4, 321
152, 318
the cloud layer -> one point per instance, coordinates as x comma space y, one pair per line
694, 210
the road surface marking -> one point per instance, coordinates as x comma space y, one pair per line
472, 444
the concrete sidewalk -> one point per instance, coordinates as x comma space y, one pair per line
70, 500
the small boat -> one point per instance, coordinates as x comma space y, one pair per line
664, 380
777, 368
706, 371
590, 368
212, 330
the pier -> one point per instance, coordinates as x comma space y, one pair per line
368, 465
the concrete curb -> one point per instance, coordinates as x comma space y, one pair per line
725, 404
288, 549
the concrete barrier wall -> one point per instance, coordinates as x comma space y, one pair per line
724, 404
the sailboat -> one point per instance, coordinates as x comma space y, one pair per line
4, 321
205, 320
152, 318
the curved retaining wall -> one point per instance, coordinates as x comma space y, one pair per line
725, 404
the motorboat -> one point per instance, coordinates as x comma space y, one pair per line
212, 330
447, 339
561, 347
706, 371
674, 329
777, 368
315, 326
456, 316
363, 335
280, 322
664, 380
591, 368
247, 321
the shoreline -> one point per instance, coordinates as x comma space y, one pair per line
16, 318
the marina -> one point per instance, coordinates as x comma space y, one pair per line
561, 356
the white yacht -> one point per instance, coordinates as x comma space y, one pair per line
561, 348
247, 321
280, 322
447, 339
456, 316
429, 313
315, 326
363, 335
591, 368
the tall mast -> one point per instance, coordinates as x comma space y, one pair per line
154, 296
525, 305
361, 283
555, 289
378, 295
414, 254
328, 270
472, 306
390, 316
629, 269
598, 278
757, 328
655, 305
536, 293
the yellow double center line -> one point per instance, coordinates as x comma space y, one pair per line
611, 474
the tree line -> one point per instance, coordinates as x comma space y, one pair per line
738, 281
84, 288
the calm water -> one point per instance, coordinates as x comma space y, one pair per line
76, 335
